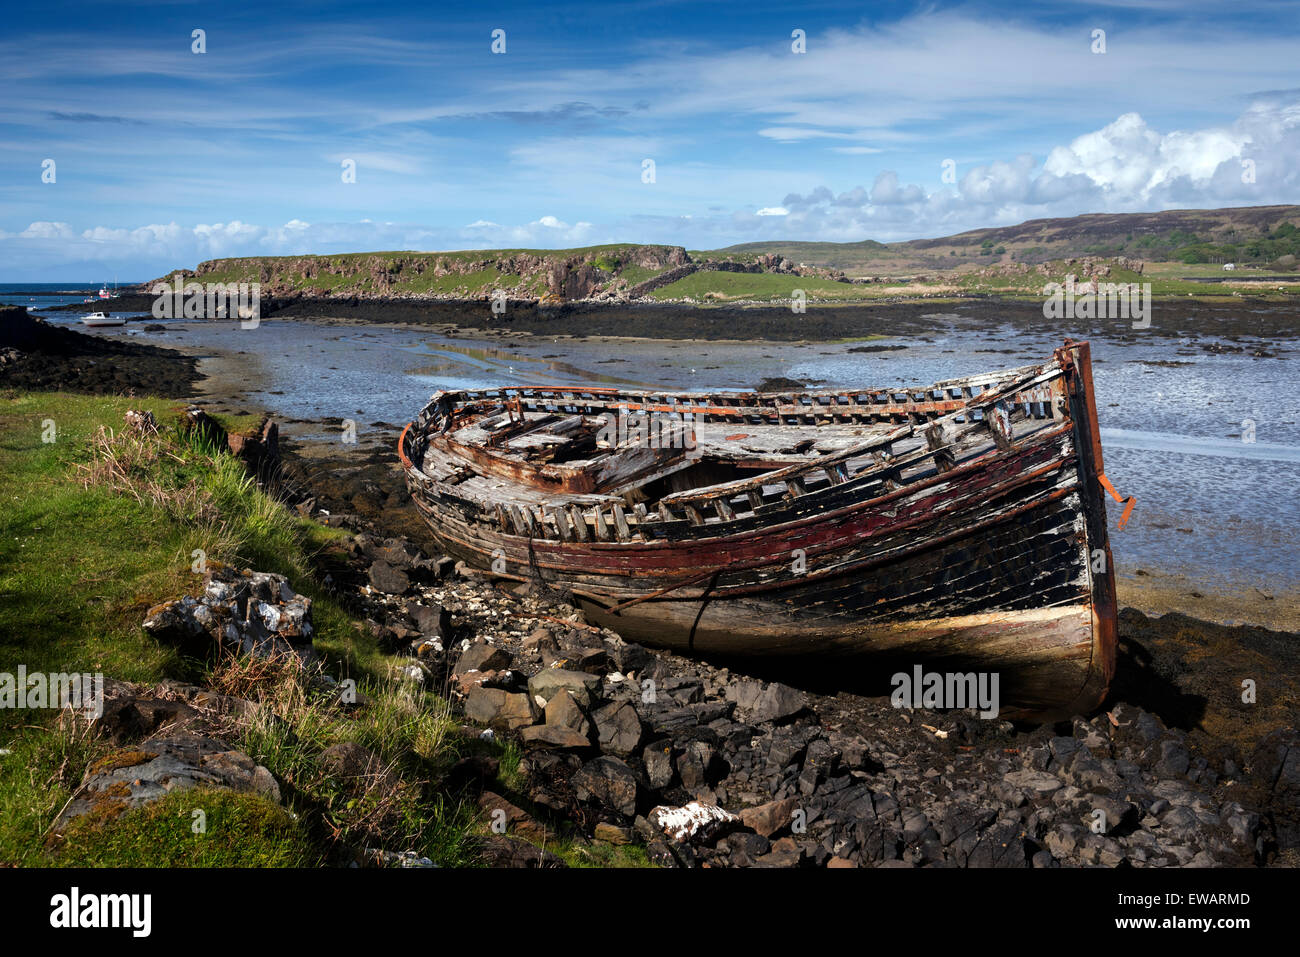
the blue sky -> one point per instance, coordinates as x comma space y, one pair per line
163, 157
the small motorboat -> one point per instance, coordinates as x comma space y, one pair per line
102, 319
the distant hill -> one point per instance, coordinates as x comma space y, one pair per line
1247, 234
1000, 259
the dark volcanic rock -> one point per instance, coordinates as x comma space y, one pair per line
609, 782
618, 727
40, 356
774, 702
386, 578
480, 656
432, 621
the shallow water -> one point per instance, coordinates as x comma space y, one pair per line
1209, 504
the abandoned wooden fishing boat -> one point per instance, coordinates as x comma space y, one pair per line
960, 526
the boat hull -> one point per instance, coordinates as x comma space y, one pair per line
997, 565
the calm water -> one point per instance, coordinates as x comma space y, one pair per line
1209, 504
37, 296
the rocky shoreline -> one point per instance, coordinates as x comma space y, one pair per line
37, 355
702, 765
713, 764
619, 739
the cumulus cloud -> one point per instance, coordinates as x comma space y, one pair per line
886, 190
1125, 166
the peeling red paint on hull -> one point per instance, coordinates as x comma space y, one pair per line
957, 523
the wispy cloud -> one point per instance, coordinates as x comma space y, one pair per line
90, 118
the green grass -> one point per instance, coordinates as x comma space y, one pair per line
1167, 280
237, 830
638, 274
602, 855
757, 286
476, 273
85, 551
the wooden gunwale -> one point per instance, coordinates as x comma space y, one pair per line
767, 530
990, 493
1025, 378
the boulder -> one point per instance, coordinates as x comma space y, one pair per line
695, 821
562, 711
1037, 783
699, 766
498, 709
540, 640
658, 760
129, 778
628, 657
498, 812
548, 682
618, 728
553, 736
432, 621
767, 819
480, 656
609, 782
387, 579
778, 702
130, 717
246, 612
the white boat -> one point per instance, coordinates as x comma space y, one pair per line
102, 319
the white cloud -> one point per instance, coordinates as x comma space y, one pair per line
1126, 166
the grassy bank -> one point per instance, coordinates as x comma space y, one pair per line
97, 528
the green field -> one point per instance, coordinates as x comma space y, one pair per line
707, 284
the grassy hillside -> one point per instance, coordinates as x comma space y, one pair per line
729, 286
469, 274
1260, 235
98, 527
1259, 238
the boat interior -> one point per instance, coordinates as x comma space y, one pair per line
599, 464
